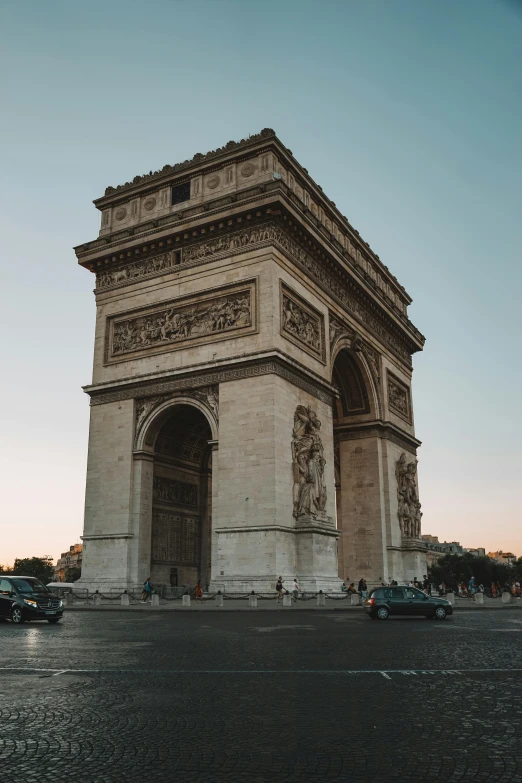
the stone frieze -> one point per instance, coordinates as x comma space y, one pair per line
173, 491
174, 324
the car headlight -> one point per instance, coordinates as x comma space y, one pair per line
30, 602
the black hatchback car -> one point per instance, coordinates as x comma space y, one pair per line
26, 598
384, 601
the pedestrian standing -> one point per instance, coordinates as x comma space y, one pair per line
426, 585
363, 588
199, 592
295, 589
279, 588
146, 593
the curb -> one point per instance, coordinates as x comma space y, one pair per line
220, 609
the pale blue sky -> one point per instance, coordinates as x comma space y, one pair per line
407, 112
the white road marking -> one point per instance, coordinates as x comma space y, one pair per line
270, 628
386, 675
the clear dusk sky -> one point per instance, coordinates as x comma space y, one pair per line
408, 114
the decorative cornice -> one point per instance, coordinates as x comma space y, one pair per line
401, 338
252, 368
305, 193
297, 530
197, 159
107, 536
378, 429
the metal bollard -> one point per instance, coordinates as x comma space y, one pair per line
252, 601
506, 598
287, 599
125, 599
321, 598
355, 599
154, 601
185, 601
451, 598
219, 599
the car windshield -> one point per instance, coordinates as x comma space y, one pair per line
29, 586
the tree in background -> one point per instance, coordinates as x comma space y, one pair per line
40, 567
72, 574
452, 569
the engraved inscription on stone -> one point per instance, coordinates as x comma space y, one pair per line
398, 397
178, 322
301, 324
167, 490
362, 548
175, 539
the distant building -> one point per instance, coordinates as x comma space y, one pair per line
437, 549
506, 558
479, 552
67, 560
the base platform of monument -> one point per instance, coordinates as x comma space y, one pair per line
242, 584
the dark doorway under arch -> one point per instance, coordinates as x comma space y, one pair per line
181, 499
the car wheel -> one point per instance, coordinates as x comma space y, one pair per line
54, 620
17, 615
382, 613
440, 613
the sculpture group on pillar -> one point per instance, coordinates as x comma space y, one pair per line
308, 462
409, 510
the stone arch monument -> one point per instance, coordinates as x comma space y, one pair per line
251, 410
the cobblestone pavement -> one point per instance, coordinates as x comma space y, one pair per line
261, 698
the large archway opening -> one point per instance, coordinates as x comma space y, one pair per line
354, 406
182, 499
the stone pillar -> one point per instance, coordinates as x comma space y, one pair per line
252, 601
219, 600
321, 599
97, 599
185, 601
451, 598
107, 532
479, 598
355, 599
506, 598
256, 536
155, 600
125, 599
140, 565
287, 600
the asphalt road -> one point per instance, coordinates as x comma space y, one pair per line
262, 697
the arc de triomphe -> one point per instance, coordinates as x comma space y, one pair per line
251, 410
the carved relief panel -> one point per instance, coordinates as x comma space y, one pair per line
301, 323
214, 315
399, 401
409, 507
165, 490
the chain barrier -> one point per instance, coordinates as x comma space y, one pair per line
135, 596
